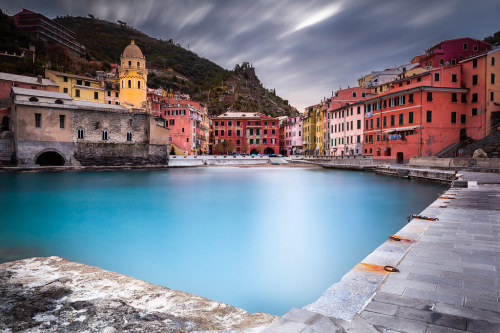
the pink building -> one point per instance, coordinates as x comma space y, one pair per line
451, 52
333, 119
292, 136
346, 129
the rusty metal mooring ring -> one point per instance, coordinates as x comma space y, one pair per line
391, 269
395, 238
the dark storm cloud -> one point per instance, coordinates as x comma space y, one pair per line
304, 49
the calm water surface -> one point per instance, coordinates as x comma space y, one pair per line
263, 239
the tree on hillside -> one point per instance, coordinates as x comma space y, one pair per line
226, 147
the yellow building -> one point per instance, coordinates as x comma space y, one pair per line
309, 130
78, 87
318, 110
133, 76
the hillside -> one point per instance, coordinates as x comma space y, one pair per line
173, 67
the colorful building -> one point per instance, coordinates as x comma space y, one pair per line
481, 75
77, 86
251, 133
309, 126
335, 137
133, 76
112, 91
419, 116
291, 141
346, 129
450, 52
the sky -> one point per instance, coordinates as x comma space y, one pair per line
304, 49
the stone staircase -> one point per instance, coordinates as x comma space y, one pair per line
490, 145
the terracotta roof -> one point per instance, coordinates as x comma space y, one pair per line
40, 93
132, 51
72, 75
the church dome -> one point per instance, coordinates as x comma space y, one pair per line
132, 51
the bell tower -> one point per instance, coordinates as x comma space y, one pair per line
133, 77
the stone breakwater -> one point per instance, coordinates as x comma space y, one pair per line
53, 295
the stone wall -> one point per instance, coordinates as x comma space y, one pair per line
6, 148
216, 160
28, 151
486, 163
116, 123
115, 154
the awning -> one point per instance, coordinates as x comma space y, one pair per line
400, 129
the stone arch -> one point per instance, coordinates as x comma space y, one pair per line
254, 151
50, 157
269, 151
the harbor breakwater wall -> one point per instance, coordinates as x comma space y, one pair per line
189, 161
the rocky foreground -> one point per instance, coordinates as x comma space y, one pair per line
56, 295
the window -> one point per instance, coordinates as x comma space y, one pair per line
453, 117
105, 135
384, 104
474, 63
393, 120
474, 80
408, 82
183, 130
475, 47
436, 77
216, 132
256, 141
462, 119
492, 96
216, 123
419, 79
410, 98
492, 78
61, 121
251, 131
251, 141
238, 142
474, 98
429, 116
401, 100
229, 123
474, 111
38, 120
116, 94
172, 122
274, 132
492, 61
453, 77
77, 92
359, 110
410, 117
65, 79
139, 84
400, 119
87, 84
453, 62
265, 132
109, 93
371, 124
441, 62
466, 46
79, 82
429, 96
129, 136
384, 122
454, 97
138, 64
80, 133
65, 90
187, 139
363, 94
430, 63
237, 132
96, 95
129, 84
238, 123
229, 132
359, 123
222, 133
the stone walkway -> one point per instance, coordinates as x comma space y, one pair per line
448, 279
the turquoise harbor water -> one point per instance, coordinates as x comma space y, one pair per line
263, 239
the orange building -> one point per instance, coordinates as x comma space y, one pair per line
418, 116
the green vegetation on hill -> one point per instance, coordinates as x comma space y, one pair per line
173, 67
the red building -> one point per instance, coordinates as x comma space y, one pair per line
251, 133
418, 116
451, 52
